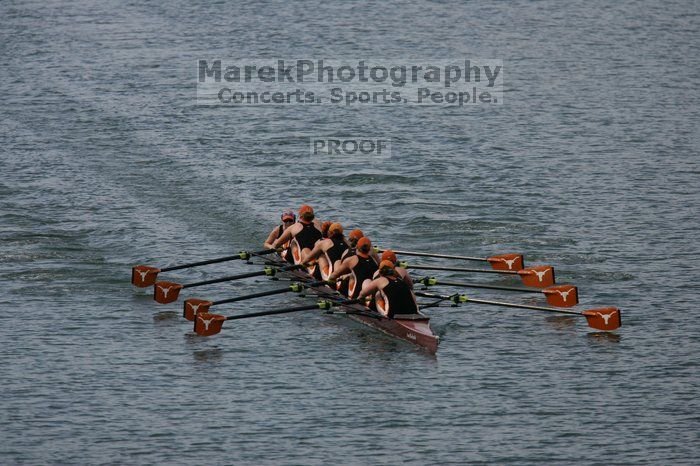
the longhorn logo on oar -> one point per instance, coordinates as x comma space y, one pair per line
194, 306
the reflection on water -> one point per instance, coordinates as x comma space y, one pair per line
563, 322
604, 337
166, 316
208, 355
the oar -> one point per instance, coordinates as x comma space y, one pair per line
144, 275
560, 295
541, 276
167, 292
500, 262
605, 318
193, 306
210, 324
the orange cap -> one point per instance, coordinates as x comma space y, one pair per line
356, 234
389, 255
364, 246
386, 267
324, 228
335, 229
306, 209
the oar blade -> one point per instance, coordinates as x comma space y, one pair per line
605, 318
541, 276
507, 262
144, 276
194, 306
207, 324
561, 295
166, 292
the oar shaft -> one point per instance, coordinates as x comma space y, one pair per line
253, 296
217, 260
488, 287
226, 279
266, 271
460, 269
288, 289
439, 256
273, 312
522, 306
499, 303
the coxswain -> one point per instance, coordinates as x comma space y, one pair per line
288, 219
302, 236
389, 255
392, 294
360, 267
328, 251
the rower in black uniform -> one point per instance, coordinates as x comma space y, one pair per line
302, 237
328, 251
360, 267
392, 294
288, 219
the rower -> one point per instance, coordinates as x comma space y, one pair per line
353, 238
360, 267
324, 228
288, 219
392, 294
328, 251
389, 255
302, 236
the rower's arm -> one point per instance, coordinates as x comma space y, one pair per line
342, 269
286, 236
314, 253
369, 289
406, 277
271, 238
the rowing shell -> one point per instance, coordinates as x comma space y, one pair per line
413, 328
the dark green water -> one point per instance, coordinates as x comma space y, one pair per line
591, 164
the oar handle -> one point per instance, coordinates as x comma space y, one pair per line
460, 269
439, 256
240, 256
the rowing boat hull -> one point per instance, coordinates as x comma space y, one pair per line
415, 330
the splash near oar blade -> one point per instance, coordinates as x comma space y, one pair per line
507, 262
207, 324
561, 295
166, 292
144, 276
195, 306
541, 276
605, 318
